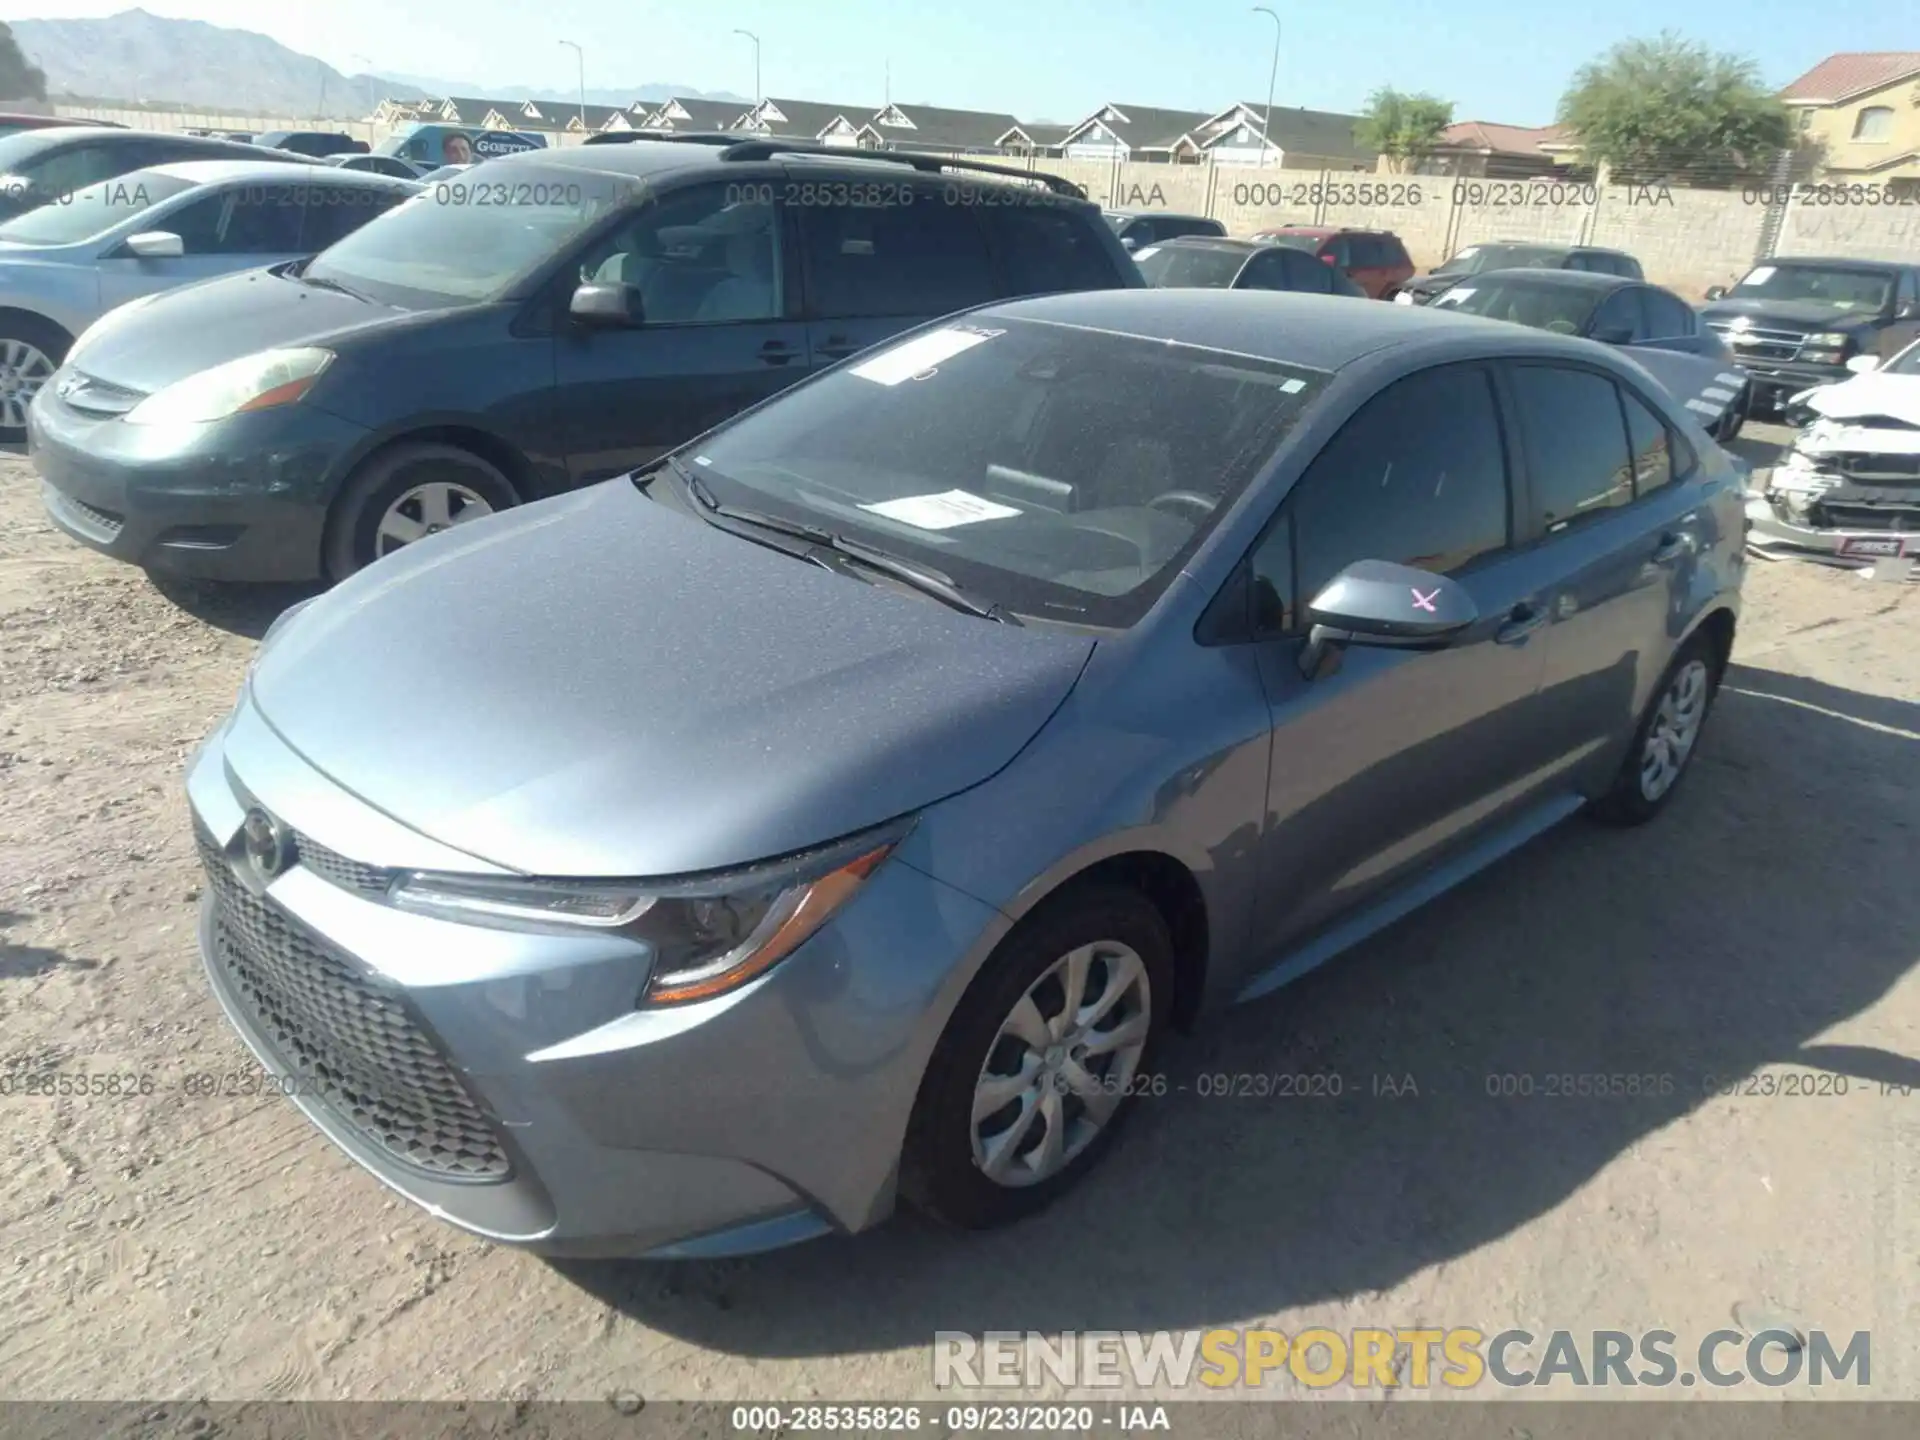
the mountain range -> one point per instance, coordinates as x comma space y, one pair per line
140, 57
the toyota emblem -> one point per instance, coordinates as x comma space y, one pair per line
266, 842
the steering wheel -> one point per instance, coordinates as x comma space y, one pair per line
1171, 498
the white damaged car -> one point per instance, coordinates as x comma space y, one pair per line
1849, 491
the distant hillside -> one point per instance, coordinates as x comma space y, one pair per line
138, 57
596, 95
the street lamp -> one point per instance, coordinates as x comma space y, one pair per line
367, 78
1266, 137
756, 62
580, 58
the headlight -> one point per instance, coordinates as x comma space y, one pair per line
253, 382
707, 936
107, 322
1828, 340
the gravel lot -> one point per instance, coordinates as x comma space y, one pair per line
165, 1246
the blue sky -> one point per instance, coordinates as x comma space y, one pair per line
1503, 60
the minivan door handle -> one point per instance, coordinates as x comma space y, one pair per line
1522, 621
778, 352
838, 347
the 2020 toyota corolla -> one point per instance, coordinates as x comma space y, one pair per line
848, 804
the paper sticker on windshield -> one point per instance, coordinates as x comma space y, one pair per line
1760, 276
1455, 295
941, 512
1293, 387
919, 357
1143, 254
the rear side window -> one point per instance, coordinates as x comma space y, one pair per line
1418, 476
1576, 442
1043, 251
1666, 318
1393, 253
898, 261
1652, 445
244, 220
1340, 248
1369, 251
1304, 273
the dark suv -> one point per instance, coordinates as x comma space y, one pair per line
1517, 255
540, 322
1795, 322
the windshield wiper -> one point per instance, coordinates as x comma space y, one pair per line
923, 578
320, 282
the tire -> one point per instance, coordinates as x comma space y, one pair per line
1630, 801
1127, 942
31, 349
382, 493
1736, 416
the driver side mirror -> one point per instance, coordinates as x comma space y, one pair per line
1716, 292
1379, 603
607, 306
155, 245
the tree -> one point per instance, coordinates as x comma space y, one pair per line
1671, 110
1405, 128
19, 79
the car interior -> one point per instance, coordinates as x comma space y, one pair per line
719, 268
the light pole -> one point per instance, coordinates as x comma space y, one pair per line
1266, 137
756, 62
580, 58
367, 79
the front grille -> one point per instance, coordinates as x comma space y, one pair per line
350, 1043
337, 869
1752, 344
1869, 468
1900, 521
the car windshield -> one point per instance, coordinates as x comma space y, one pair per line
94, 210
1563, 309
1844, 288
468, 238
1059, 472
1202, 267
1477, 258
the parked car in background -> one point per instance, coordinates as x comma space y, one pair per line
316, 143
445, 172
245, 137
1138, 229
1516, 255
12, 123
1848, 491
65, 265
454, 358
1662, 331
424, 145
1214, 263
37, 167
1795, 321
1375, 260
389, 165
1131, 654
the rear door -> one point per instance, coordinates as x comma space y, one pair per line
221, 228
875, 270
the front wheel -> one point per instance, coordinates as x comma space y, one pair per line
31, 349
406, 494
1732, 422
1037, 1067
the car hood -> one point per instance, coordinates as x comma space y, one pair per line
1890, 402
1786, 314
184, 331
599, 684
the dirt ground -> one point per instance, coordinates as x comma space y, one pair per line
167, 1246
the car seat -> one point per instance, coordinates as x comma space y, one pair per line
747, 291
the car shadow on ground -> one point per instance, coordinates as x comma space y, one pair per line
237, 609
1766, 905
28, 962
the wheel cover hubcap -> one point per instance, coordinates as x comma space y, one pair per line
1061, 1063
24, 369
427, 509
1675, 728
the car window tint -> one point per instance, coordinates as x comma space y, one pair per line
242, 220
1394, 253
1577, 444
1665, 317
899, 260
1315, 277
1340, 249
81, 165
1418, 476
1141, 232
1619, 312
1271, 572
1652, 446
702, 255
1369, 251
1043, 251
334, 212
1264, 272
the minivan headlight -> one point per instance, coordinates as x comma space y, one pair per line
709, 936
253, 382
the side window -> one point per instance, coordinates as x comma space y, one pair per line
904, 260
1909, 292
1576, 443
1418, 476
334, 212
1263, 272
1367, 251
76, 168
1341, 249
1630, 267
1271, 573
245, 220
1665, 317
1618, 318
1304, 273
1142, 233
1395, 253
1651, 443
1580, 260
1043, 251
698, 256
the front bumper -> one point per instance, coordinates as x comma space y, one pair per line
508, 1083
1774, 381
243, 499
1770, 532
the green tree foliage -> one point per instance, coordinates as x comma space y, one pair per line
19, 80
1403, 127
1672, 110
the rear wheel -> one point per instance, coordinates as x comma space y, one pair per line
1667, 737
406, 494
31, 349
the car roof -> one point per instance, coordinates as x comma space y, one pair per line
1850, 262
213, 172
1214, 242
1559, 279
1321, 230
1157, 214
1324, 332
659, 157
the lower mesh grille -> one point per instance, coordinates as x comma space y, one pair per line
351, 1043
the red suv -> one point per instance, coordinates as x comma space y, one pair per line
1375, 260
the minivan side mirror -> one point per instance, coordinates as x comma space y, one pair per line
1864, 364
155, 245
1716, 292
607, 306
1379, 603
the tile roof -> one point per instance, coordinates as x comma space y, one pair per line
1850, 73
1501, 139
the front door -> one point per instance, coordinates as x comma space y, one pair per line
720, 331
1389, 760
236, 227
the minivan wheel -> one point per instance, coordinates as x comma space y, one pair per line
31, 349
1669, 734
1038, 1065
405, 494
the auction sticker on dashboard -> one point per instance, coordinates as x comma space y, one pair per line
1455, 295
917, 358
1143, 254
941, 512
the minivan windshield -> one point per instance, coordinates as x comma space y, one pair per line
466, 239
1201, 267
1058, 472
94, 210
1842, 287
1563, 309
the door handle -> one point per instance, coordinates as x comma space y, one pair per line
1522, 621
777, 352
1672, 547
838, 347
